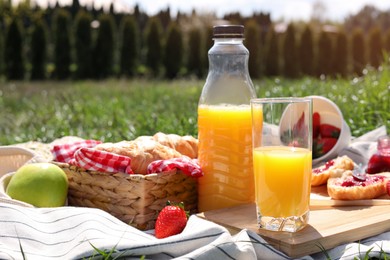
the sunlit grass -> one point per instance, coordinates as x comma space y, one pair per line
114, 110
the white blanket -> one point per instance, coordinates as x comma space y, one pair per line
76, 233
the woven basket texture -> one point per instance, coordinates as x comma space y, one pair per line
133, 198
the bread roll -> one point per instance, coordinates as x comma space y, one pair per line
347, 187
186, 145
320, 175
141, 152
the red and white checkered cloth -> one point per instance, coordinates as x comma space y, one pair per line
101, 161
83, 154
65, 152
187, 165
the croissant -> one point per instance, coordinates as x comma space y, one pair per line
141, 152
186, 145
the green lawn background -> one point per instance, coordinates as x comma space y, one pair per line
115, 109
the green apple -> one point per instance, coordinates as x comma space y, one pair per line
39, 184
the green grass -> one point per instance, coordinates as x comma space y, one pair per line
114, 110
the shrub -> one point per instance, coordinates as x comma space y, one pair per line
207, 44
173, 55
358, 52
306, 52
195, 51
340, 57
13, 56
153, 34
375, 47
38, 49
1, 51
387, 41
252, 42
272, 56
104, 47
325, 51
290, 56
62, 48
83, 45
129, 46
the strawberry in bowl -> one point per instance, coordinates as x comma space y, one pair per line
331, 134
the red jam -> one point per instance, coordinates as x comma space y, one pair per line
380, 161
351, 181
327, 165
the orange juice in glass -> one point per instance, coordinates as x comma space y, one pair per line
225, 155
282, 160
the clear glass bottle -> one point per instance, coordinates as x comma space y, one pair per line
225, 125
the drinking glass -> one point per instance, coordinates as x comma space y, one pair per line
282, 161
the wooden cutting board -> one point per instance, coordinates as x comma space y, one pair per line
329, 226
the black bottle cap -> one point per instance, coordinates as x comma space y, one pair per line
228, 31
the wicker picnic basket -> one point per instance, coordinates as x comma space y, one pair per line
133, 198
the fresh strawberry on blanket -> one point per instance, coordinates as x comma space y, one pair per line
171, 220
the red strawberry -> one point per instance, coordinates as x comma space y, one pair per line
378, 163
299, 127
171, 220
323, 145
316, 124
327, 130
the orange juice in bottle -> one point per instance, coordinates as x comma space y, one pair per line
225, 124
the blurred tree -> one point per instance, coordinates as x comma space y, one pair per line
173, 55
13, 51
62, 47
74, 9
207, 44
153, 34
234, 18
165, 18
83, 45
340, 57
111, 9
387, 41
325, 51
1, 49
375, 47
306, 52
38, 49
365, 19
141, 18
25, 13
252, 42
194, 62
103, 52
129, 46
272, 54
358, 51
264, 22
290, 55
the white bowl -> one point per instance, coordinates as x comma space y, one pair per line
331, 114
